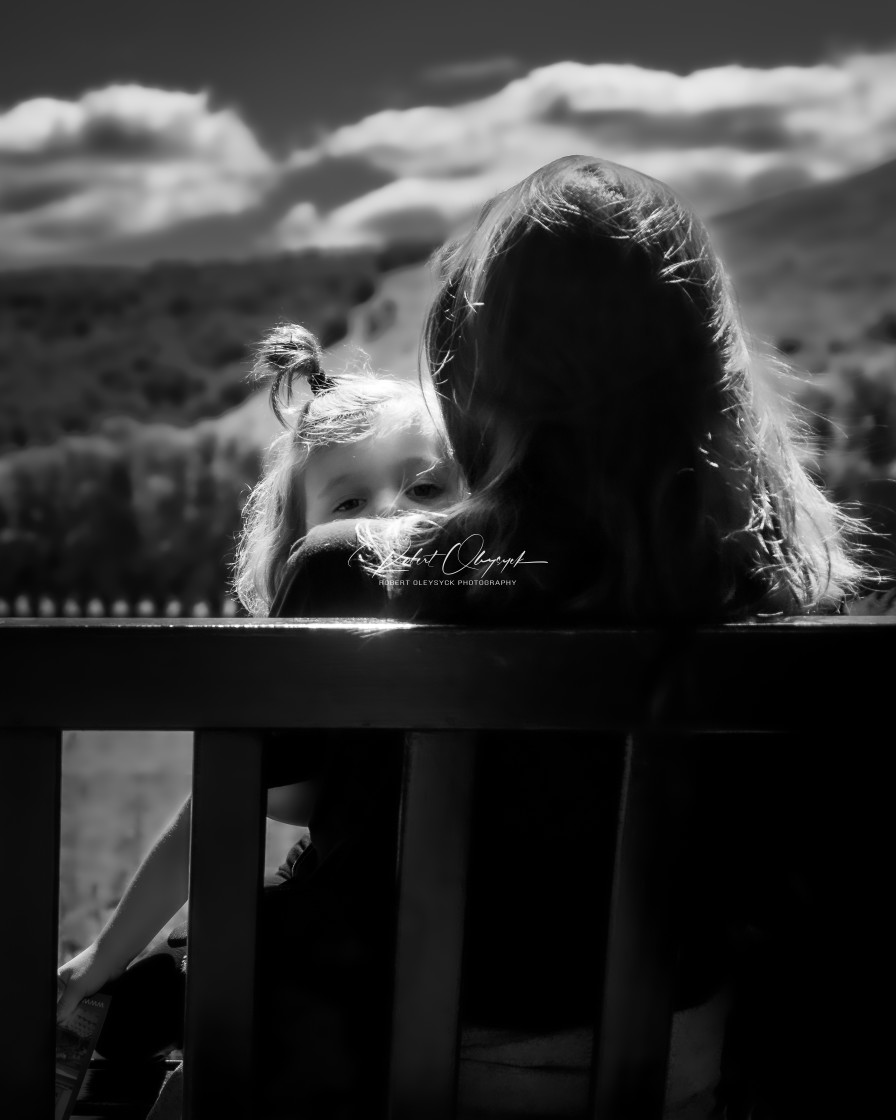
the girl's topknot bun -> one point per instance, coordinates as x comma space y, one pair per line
286, 353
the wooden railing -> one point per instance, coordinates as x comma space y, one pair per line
230, 680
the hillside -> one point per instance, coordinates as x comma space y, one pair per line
817, 263
386, 328
165, 344
814, 269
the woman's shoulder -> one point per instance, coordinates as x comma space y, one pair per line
327, 577
881, 602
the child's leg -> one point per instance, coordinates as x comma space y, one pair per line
146, 1016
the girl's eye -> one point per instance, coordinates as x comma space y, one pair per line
425, 491
349, 505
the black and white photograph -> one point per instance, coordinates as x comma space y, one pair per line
447, 559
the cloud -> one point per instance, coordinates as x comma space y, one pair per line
405, 210
132, 166
120, 162
723, 136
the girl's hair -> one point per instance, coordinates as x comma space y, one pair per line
607, 412
344, 407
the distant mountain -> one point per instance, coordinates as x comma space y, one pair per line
810, 267
817, 263
170, 342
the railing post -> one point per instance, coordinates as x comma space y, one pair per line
226, 850
434, 840
632, 1041
29, 819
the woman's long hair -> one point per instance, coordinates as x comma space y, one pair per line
606, 409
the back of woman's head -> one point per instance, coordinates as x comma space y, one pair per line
600, 396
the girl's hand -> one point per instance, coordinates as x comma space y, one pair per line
80, 977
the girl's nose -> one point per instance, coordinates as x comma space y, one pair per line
385, 504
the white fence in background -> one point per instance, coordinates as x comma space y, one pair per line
46, 606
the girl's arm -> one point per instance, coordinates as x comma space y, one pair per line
325, 579
157, 891
294, 803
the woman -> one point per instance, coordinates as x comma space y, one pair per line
623, 446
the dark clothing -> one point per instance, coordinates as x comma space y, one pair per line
324, 579
777, 882
145, 1019
545, 813
325, 949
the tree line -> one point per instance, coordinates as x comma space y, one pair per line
134, 512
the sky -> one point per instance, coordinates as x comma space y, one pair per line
132, 131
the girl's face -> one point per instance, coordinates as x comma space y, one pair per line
379, 476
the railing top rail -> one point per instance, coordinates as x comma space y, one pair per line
776, 624
206, 673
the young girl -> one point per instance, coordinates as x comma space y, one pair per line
613, 425
361, 444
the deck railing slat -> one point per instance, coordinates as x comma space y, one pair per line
29, 818
227, 846
632, 1041
436, 807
